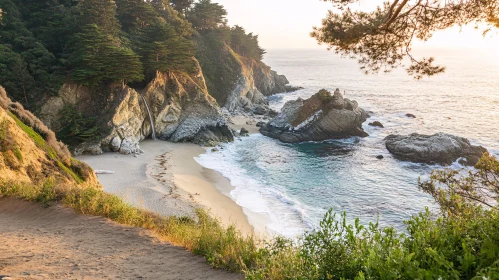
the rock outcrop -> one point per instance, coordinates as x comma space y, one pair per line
181, 107
439, 148
246, 84
321, 117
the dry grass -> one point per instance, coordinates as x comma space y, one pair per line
36, 124
224, 248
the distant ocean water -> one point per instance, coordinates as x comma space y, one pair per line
295, 184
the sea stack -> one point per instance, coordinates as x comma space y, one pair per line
321, 117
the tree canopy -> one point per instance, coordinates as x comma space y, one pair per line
206, 15
382, 39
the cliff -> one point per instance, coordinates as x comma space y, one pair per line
240, 84
181, 110
181, 107
30, 153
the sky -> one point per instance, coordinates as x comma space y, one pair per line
285, 24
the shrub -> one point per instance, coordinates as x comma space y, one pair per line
76, 127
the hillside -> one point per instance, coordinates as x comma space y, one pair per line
27, 157
89, 69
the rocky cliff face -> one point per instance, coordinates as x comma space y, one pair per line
181, 110
321, 117
252, 82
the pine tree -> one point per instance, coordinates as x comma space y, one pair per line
182, 5
102, 13
96, 59
88, 49
122, 64
206, 15
134, 14
163, 50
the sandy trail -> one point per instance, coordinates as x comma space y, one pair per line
55, 243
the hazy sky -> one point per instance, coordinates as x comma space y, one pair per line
288, 23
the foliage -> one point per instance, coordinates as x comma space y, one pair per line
27, 69
206, 15
163, 50
182, 5
76, 127
457, 194
245, 44
220, 67
383, 39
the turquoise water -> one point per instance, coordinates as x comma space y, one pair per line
295, 184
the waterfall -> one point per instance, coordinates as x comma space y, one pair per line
150, 117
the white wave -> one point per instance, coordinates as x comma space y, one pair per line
286, 216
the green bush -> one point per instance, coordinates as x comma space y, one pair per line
76, 127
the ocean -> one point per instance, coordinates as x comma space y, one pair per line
295, 184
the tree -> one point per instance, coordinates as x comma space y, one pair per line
134, 14
245, 44
181, 5
382, 39
102, 13
206, 15
163, 50
97, 59
28, 69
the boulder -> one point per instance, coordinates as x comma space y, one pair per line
439, 148
321, 117
129, 146
380, 157
115, 144
290, 88
261, 124
260, 110
410, 116
377, 124
244, 132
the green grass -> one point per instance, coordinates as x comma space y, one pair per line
19, 154
37, 138
43, 145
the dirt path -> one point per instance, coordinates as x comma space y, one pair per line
55, 243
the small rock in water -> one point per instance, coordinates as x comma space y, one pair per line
260, 124
215, 150
410, 116
377, 124
244, 132
380, 157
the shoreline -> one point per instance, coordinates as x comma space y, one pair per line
167, 180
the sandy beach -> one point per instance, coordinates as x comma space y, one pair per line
167, 180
